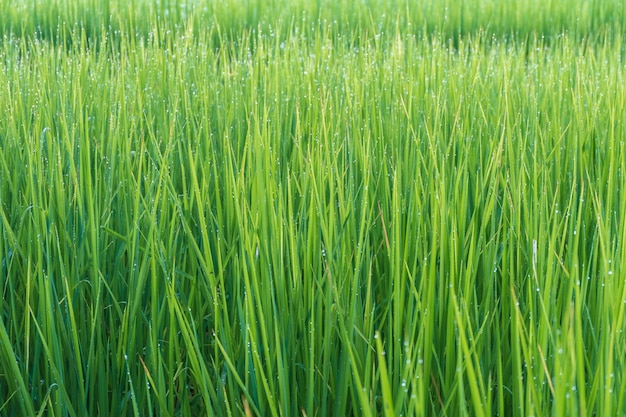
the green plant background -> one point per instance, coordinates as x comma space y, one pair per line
312, 208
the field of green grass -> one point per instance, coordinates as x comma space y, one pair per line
312, 208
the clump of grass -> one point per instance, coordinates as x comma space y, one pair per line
277, 214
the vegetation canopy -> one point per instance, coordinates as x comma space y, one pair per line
318, 208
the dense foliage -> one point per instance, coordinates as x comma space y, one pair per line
316, 208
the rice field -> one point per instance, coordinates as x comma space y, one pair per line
312, 208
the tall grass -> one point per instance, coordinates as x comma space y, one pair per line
317, 209
58, 19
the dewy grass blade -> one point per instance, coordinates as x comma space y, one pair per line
132, 388
388, 406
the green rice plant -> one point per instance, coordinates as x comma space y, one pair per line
60, 20
313, 208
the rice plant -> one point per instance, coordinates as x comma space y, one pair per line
312, 208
